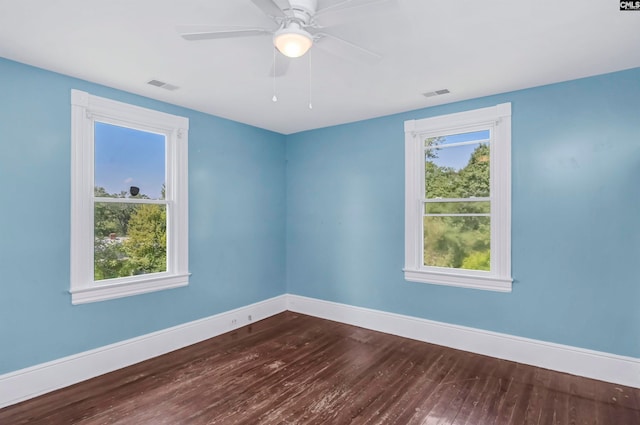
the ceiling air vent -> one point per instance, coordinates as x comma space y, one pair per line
163, 85
436, 93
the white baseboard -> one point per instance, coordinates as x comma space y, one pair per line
40, 379
563, 358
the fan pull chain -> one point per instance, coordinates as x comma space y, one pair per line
310, 104
274, 98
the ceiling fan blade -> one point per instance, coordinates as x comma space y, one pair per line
269, 8
280, 66
349, 11
202, 32
345, 49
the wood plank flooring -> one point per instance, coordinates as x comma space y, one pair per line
296, 369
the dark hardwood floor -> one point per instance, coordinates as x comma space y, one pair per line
296, 369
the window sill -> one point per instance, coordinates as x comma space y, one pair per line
489, 283
118, 288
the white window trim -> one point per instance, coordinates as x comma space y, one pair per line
499, 119
85, 109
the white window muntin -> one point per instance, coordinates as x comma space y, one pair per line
497, 119
86, 110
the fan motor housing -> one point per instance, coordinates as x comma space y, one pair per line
303, 10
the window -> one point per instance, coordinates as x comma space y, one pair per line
129, 199
458, 199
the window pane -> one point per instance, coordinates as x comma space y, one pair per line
457, 242
128, 162
129, 239
457, 171
483, 207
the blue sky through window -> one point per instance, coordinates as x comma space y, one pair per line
457, 157
126, 157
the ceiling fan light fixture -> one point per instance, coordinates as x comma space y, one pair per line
292, 42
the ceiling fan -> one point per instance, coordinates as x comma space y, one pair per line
298, 25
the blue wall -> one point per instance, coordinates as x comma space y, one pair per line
575, 237
334, 198
236, 218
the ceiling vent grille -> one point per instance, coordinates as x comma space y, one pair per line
163, 85
436, 93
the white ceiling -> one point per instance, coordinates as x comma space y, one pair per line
471, 47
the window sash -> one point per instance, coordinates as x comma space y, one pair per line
457, 215
130, 201
459, 201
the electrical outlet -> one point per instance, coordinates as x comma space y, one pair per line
249, 317
233, 321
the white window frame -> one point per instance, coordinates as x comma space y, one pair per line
498, 119
86, 109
